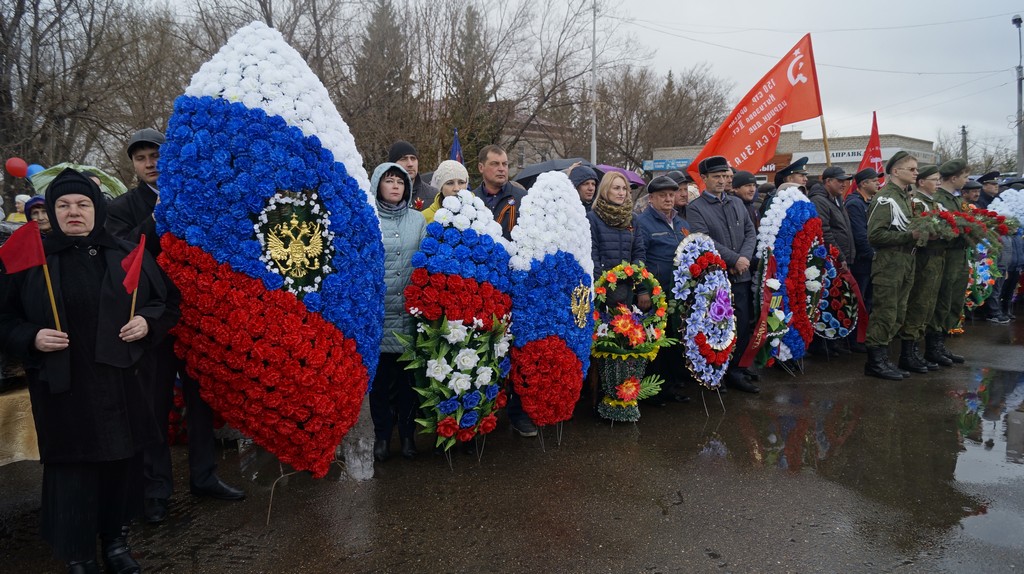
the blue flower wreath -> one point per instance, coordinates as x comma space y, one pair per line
466, 253
797, 215
222, 164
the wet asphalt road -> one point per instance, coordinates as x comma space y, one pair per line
828, 471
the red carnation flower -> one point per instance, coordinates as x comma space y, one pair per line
447, 427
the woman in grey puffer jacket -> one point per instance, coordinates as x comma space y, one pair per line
392, 398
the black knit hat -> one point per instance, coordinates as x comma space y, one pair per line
400, 149
71, 181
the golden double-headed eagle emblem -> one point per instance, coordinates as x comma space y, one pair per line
581, 304
295, 247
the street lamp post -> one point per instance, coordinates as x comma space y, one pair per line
1020, 97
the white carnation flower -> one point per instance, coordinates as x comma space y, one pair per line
457, 332
501, 348
460, 382
773, 284
452, 204
812, 273
466, 359
461, 222
483, 376
438, 369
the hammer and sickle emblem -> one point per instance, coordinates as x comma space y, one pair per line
799, 78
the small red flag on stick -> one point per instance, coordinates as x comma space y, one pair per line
132, 265
24, 250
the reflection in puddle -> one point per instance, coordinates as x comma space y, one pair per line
990, 427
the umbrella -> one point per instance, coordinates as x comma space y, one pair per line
631, 177
529, 173
109, 185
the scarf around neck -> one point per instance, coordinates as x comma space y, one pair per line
620, 216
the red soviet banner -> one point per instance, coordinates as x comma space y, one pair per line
786, 95
872, 154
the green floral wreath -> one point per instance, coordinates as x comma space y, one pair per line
619, 331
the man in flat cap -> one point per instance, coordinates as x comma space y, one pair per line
129, 217
971, 193
725, 220
663, 229
892, 272
857, 208
929, 262
795, 172
683, 180
989, 188
953, 288
827, 197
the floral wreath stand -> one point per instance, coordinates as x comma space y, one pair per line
625, 340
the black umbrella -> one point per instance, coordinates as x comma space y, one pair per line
528, 175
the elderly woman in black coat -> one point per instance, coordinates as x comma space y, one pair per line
91, 414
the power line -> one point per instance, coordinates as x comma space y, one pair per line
736, 30
819, 64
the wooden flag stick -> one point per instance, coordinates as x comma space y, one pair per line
824, 140
49, 290
135, 293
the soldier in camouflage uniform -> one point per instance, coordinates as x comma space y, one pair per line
956, 272
892, 272
928, 264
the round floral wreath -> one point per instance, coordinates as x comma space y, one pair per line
983, 276
709, 325
838, 302
621, 330
791, 229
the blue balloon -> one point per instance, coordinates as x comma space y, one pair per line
34, 169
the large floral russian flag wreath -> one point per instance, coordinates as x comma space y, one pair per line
704, 296
791, 232
551, 299
269, 232
626, 338
459, 296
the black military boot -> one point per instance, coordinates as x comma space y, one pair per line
920, 358
933, 350
878, 365
908, 360
117, 555
946, 352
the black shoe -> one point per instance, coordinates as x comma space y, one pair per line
155, 510
84, 567
381, 450
877, 365
117, 555
837, 348
409, 448
998, 318
908, 360
737, 381
219, 490
933, 350
920, 358
751, 375
947, 353
525, 427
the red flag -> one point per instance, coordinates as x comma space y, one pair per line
786, 95
23, 250
132, 265
872, 154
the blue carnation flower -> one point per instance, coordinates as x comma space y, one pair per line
449, 406
469, 419
470, 400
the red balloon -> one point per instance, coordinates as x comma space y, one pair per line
17, 167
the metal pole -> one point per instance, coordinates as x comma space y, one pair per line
593, 91
1020, 97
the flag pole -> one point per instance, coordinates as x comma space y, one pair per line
131, 314
824, 139
49, 290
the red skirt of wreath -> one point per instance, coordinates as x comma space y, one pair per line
547, 375
284, 376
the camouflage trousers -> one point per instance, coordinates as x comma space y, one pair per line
892, 278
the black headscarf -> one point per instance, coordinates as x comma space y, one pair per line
68, 182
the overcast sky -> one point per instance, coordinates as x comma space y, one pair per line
954, 60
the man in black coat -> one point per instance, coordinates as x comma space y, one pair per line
724, 218
404, 154
131, 216
500, 195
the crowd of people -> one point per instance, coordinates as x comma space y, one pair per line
101, 407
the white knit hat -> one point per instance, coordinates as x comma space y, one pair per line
22, 198
447, 170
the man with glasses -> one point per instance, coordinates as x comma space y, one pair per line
892, 274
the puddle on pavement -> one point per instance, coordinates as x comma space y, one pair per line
924, 451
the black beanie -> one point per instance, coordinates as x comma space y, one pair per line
400, 149
71, 181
